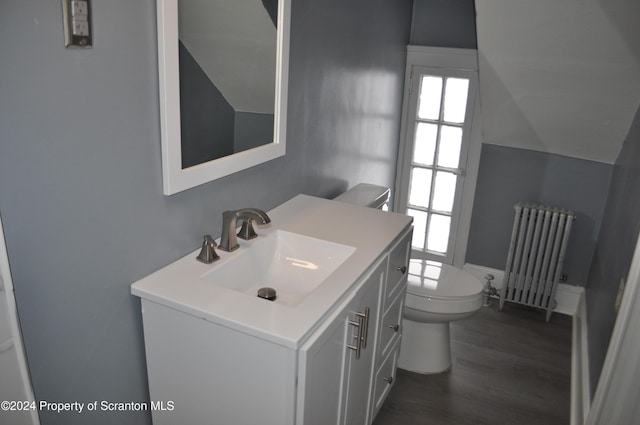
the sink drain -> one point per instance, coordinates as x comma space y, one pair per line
267, 293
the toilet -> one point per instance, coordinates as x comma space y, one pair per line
437, 294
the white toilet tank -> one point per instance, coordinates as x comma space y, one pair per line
367, 195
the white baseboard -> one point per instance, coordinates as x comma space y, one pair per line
580, 379
567, 296
571, 301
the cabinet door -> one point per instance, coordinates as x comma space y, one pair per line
321, 371
360, 370
334, 387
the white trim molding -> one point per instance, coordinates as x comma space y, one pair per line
12, 352
580, 378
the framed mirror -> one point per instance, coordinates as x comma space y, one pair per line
233, 56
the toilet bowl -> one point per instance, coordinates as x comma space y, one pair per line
437, 294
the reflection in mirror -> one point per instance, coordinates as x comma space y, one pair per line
227, 51
223, 67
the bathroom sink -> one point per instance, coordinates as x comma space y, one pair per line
292, 264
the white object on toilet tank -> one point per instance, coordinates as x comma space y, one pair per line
367, 195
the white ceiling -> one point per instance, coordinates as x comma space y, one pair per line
559, 76
235, 44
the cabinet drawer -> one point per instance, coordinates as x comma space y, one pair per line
391, 325
398, 267
384, 379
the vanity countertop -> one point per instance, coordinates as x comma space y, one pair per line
369, 231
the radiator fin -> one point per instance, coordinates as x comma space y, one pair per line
536, 255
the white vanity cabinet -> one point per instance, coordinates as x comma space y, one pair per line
223, 357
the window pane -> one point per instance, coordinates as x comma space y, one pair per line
450, 142
438, 238
420, 189
444, 191
419, 227
430, 94
425, 145
455, 99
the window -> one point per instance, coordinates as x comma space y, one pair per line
439, 151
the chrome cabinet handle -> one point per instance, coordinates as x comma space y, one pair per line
395, 328
401, 269
389, 379
358, 346
362, 323
365, 330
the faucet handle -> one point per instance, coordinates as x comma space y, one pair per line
246, 231
208, 253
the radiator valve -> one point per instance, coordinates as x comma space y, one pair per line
488, 291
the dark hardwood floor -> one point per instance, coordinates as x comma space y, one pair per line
508, 368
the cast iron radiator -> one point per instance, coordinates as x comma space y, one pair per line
536, 255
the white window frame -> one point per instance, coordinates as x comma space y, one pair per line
448, 63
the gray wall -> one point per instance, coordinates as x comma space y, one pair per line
444, 23
615, 248
80, 172
508, 176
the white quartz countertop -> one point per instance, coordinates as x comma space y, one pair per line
180, 286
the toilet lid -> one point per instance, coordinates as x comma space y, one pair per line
433, 279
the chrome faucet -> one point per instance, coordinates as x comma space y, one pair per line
229, 240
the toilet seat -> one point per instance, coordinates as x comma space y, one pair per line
440, 288
445, 307
419, 292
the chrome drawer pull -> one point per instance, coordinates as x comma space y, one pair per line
395, 328
389, 379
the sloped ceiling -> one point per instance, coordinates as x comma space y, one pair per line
559, 76
234, 42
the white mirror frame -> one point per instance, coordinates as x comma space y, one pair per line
174, 178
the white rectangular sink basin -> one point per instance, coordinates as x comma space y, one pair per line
292, 264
